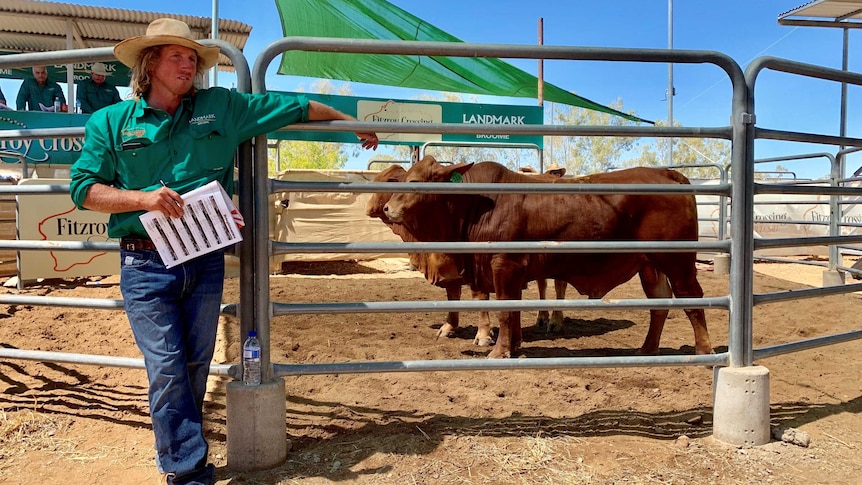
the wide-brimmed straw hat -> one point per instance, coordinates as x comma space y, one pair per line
99, 68
556, 168
165, 31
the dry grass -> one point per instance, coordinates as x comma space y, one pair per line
25, 431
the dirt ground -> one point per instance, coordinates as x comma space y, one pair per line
75, 424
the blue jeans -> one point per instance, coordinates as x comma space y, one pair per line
174, 315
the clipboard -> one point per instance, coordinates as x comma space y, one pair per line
210, 221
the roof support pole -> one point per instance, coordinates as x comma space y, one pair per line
70, 68
215, 36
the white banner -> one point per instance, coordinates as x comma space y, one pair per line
53, 217
782, 216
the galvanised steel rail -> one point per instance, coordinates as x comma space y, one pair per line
263, 185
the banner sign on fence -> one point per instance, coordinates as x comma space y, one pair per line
53, 217
384, 110
56, 150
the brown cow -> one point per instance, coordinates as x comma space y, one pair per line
560, 217
442, 270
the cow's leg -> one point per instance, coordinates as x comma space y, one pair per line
508, 285
543, 318
655, 285
683, 281
453, 293
483, 333
555, 325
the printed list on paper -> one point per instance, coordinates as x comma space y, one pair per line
210, 221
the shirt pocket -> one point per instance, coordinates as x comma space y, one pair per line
213, 147
140, 162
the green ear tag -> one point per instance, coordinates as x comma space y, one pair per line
456, 177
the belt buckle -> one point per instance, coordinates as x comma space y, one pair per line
130, 246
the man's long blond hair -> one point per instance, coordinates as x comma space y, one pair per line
147, 61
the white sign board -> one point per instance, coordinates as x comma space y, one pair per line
395, 112
53, 217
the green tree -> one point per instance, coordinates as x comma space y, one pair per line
695, 157
586, 154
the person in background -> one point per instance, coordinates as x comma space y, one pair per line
96, 93
38, 93
141, 155
556, 169
3, 105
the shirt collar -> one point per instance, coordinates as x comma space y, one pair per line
141, 105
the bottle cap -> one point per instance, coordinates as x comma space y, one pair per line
252, 333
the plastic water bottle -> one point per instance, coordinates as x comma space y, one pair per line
251, 360
77, 106
56, 104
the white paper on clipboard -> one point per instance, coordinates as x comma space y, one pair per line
210, 221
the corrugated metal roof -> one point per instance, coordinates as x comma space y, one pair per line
837, 10
36, 26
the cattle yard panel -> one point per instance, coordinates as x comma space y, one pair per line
538, 52
256, 308
742, 128
834, 191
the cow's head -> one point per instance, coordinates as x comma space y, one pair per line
406, 204
374, 207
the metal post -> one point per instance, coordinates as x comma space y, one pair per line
70, 68
541, 88
214, 72
670, 90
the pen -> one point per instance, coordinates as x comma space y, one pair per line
166, 186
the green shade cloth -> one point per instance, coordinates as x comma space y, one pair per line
378, 19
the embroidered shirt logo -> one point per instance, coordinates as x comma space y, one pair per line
203, 119
136, 133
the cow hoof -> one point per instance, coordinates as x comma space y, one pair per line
446, 330
483, 342
499, 355
643, 351
541, 324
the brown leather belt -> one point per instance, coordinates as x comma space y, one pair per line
132, 243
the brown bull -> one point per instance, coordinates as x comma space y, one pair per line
560, 217
442, 270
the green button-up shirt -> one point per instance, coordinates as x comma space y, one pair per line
94, 96
31, 94
132, 146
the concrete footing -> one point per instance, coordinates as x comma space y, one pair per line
721, 264
741, 405
833, 278
256, 429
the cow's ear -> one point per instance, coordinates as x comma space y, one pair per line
456, 172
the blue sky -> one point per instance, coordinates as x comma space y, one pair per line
741, 29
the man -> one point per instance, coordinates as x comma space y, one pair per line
96, 93
556, 170
172, 132
37, 93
